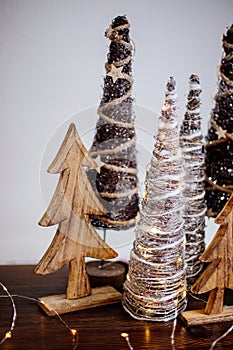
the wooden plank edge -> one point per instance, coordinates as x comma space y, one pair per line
58, 304
198, 317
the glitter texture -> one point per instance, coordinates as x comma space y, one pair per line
155, 285
115, 138
219, 150
192, 144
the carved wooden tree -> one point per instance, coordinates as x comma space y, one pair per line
219, 273
73, 201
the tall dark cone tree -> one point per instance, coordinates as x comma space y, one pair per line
219, 150
114, 142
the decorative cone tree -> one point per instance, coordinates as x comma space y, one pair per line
219, 151
192, 144
73, 201
114, 142
155, 286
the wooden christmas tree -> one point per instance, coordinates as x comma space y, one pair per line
219, 273
73, 201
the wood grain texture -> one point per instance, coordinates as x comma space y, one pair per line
100, 296
219, 254
99, 328
73, 201
225, 211
199, 317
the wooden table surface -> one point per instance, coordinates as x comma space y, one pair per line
98, 328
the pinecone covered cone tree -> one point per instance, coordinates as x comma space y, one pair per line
219, 148
114, 145
192, 144
155, 286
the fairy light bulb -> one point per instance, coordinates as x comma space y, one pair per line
144, 195
165, 106
8, 334
126, 337
73, 332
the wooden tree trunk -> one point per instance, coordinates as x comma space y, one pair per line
215, 302
78, 282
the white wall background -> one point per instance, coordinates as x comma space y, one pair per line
51, 71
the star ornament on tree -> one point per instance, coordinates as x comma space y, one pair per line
116, 73
210, 213
96, 165
99, 163
221, 133
108, 32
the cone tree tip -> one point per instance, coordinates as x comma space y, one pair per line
171, 84
119, 28
170, 96
194, 79
119, 21
229, 35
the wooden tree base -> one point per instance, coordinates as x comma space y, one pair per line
198, 317
59, 304
102, 273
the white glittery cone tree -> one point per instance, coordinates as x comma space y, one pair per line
155, 285
192, 144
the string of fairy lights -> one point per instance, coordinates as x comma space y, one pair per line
74, 332
9, 332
